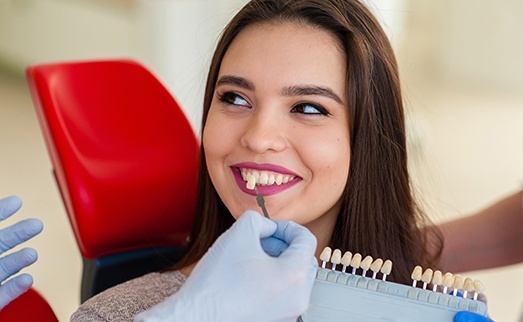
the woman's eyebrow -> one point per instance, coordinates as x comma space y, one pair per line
235, 80
311, 90
297, 90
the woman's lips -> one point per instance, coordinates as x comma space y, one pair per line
271, 179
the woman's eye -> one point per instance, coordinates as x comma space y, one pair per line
310, 109
233, 99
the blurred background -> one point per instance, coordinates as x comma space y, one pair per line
462, 69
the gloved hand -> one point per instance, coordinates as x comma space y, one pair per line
470, 317
258, 270
13, 263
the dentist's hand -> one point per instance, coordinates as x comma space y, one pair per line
13, 263
470, 317
258, 270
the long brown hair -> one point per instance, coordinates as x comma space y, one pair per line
379, 216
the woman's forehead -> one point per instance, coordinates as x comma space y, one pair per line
286, 54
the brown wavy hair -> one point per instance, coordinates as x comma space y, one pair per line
378, 216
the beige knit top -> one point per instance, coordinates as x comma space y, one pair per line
123, 302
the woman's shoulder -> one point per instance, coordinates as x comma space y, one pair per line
124, 301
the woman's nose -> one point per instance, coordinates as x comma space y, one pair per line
264, 132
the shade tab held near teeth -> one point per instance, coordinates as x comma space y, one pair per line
251, 182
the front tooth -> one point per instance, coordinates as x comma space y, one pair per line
272, 179
279, 179
264, 178
256, 175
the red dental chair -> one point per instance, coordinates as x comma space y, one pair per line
125, 160
28, 307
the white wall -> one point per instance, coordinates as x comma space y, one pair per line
172, 37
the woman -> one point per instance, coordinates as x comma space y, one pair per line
305, 95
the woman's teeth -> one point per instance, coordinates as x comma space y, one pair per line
264, 178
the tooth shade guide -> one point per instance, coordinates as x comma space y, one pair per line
468, 286
355, 262
416, 275
478, 288
458, 284
448, 281
426, 278
437, 280
376, 266
336, 258
365, 264
325, 256
251, 182
345, 261
386, 269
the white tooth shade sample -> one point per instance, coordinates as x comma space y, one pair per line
347, 257
427, 276
458, 282
416, 273
386, 269
251, 182
356, 261
437, 278
336, 257
448, 280
468, 286
326, 254
366, 263
478, 286
376, 265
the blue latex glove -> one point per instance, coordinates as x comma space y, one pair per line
258, 270
13, 263
470, 317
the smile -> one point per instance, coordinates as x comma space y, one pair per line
269, 179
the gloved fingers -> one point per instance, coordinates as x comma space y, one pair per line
243, 238
300, 240
14, 288
260, 226
19, 233
273, 246
470, 317
9, 206
13, 263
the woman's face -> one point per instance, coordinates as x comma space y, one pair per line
279, 112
